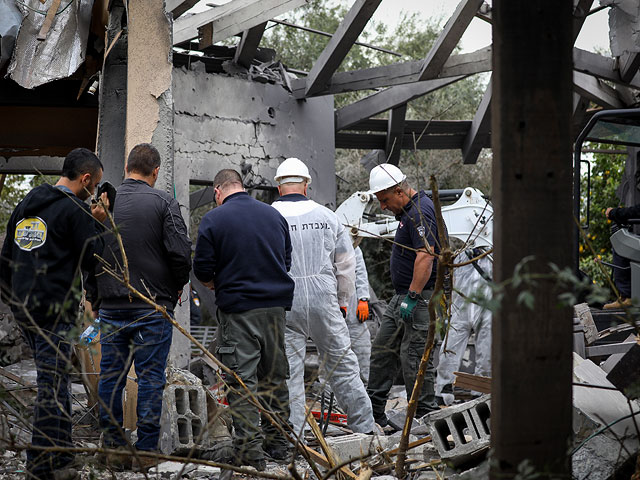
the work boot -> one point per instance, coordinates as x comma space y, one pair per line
618, 304
260, 464
279, 452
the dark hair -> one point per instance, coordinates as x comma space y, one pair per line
143, 159
80, 161
226, 176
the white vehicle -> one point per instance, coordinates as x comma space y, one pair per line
469, 219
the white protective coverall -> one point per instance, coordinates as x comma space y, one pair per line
466, 318
323, 268
358, 331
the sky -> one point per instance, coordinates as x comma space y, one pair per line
594, 35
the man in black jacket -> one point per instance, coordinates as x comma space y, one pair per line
158, 251
622, 272
244, 250
51, 235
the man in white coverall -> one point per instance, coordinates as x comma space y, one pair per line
357, 315
323, 268
466, 317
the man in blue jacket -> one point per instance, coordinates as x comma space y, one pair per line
52, 235
403, 331
244, 252
158, 250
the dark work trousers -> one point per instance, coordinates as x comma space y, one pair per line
127, 335
399, 344
622, 275
251, 344
49, 341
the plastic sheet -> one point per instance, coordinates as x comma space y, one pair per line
36, 62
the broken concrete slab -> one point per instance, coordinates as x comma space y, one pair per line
602, 406
468, 426
172, 470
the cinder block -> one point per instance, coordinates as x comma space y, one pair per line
468, 424
184, 418
354, 446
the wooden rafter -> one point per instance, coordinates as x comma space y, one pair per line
399, 74
248, 45
339, 45
449, 38
178, 7
229, 19
597, 91
395, 131
387, 99
478, 135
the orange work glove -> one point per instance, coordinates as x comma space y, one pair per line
343, 311
362, 313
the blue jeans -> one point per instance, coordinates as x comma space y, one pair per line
52, 409
143, 336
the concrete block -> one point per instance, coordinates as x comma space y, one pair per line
354, 446
466, 426
184, 418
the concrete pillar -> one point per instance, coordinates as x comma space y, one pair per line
150, 114
532, 185
113, 99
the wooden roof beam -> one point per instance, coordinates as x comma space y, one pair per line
395, 132
229, 19
449, 38
246, 49
387, 99
480, 129
596, 91
178, 7
580, 13
338, 47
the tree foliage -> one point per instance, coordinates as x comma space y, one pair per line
606, 176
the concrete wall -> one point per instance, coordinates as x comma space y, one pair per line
229, 122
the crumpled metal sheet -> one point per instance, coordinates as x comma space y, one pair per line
10, 20
37, 62
624, 26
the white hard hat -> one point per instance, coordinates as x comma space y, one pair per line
292, 170
384, 176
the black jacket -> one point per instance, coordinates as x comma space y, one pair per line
49, 235
245, 248
156, 244
622, 214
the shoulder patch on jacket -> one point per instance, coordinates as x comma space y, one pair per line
31, 233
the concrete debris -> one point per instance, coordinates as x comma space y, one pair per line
184, 419
461, 433
624, 375
599, 452
481, 472
356, 445
13, 348
172, 470
178, 376
397, 417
